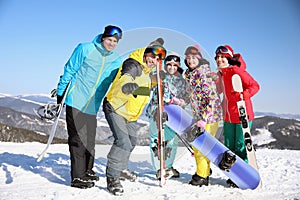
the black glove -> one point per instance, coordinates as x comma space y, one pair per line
128, 88
58, 99
53, 93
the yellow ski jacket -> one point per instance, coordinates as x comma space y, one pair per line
127, 105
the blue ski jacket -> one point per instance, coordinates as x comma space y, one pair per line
91, 69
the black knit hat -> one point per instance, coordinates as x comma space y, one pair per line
114, 31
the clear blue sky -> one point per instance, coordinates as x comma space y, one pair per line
37, 38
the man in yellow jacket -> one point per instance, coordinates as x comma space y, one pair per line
122, 107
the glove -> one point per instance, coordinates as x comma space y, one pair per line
201, 124
143, 91
246, 95
177, 101
53, 93
128, 88
164, 116
59, 99
162, 74
236, 96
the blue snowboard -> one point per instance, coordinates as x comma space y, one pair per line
241, 173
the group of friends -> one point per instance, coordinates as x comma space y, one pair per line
98, 76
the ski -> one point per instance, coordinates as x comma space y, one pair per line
160, 126
59, 108
238, 87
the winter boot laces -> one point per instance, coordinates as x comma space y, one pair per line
82, 183
126, 174
114, 186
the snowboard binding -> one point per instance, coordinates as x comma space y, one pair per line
243, 117
227, 161
248, 141
193, 133
49, 111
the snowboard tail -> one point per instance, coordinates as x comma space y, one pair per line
54, 126
241, 173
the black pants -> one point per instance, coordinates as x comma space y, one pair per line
82, 131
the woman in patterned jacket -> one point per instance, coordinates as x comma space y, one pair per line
206, 106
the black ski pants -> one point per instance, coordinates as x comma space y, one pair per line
82, 131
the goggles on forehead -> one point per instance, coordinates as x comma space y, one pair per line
113, 31
222, 49
172, 57
157, 50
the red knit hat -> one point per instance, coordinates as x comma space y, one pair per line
226, 51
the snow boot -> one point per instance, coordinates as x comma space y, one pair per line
92, 175
199, 181
126, 174
170, 173
231, 183
82, 183
114, 186
173, 172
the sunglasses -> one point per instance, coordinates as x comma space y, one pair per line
115, 30
172, 57
159, 51
222, 49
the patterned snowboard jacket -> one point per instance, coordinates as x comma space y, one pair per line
173, 86
206, 104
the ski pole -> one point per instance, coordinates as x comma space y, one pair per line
186, 144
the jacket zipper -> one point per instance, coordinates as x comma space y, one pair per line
94, 88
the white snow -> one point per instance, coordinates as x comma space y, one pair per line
21, 177
264, 137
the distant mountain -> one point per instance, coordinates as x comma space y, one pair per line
282, 133
269, 129
288, 116
31, 122
24, 103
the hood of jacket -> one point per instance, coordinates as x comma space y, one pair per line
239, 61
99, 45
138, 55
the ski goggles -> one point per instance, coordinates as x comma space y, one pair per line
113, 30
157, 50
224, 50
172, 57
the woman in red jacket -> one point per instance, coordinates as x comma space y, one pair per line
228, 65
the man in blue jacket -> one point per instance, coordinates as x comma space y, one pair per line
89, 71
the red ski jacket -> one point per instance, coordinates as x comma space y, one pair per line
224, 85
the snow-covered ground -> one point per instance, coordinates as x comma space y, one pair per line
21, 177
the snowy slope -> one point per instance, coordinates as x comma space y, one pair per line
21, 177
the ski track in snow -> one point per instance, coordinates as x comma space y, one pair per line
21, 177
